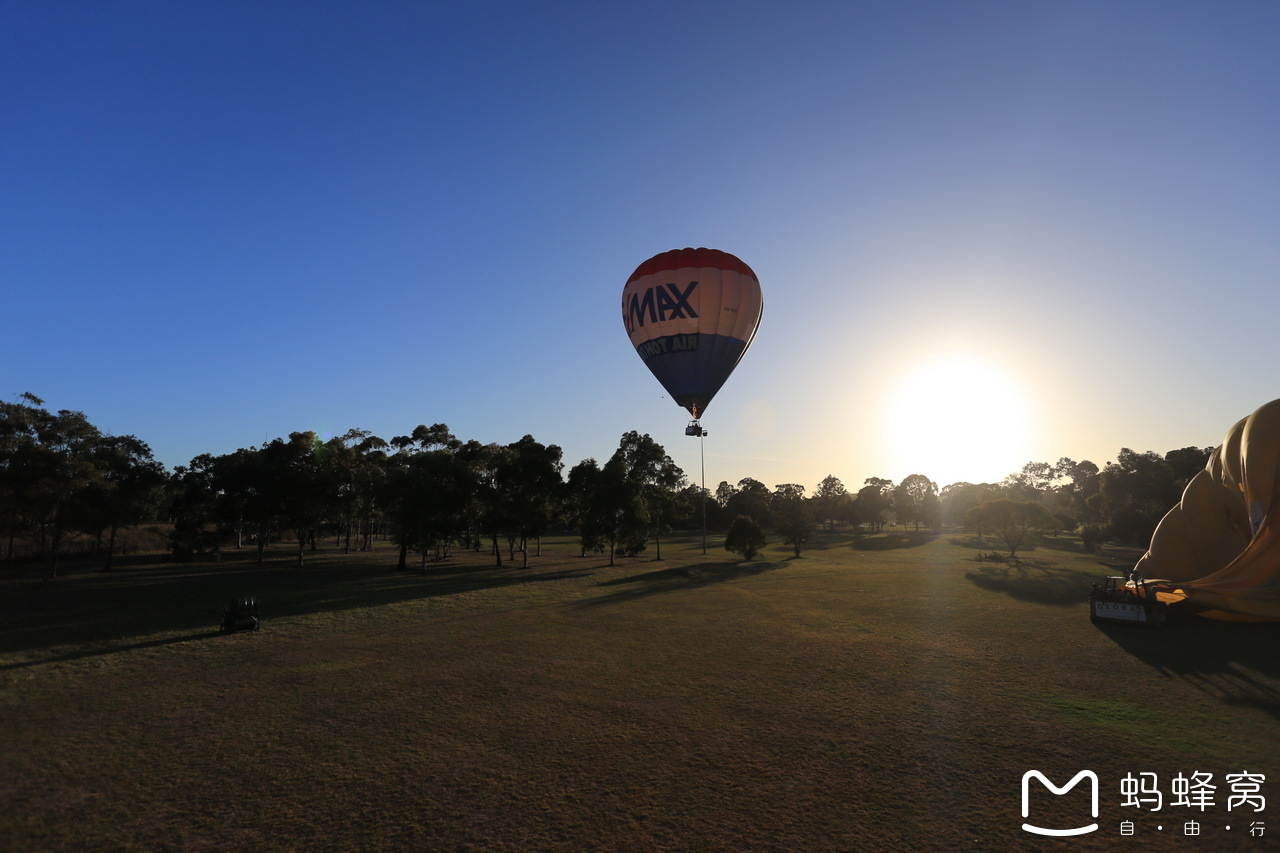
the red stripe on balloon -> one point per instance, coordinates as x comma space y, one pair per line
683, 258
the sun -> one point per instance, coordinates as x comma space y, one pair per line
957, 419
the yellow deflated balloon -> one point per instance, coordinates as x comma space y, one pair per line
1220, 545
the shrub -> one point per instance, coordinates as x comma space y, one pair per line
1091, 536
745, 537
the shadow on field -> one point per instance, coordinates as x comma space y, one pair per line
893, 541
93, 652
976, 543
674, 580
1220, 658
85, 606
1033, 580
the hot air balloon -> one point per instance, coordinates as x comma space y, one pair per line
691, 314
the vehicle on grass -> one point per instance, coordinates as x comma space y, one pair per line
242, 614
1128, 600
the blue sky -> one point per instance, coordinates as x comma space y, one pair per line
987, 233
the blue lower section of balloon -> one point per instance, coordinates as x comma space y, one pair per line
692, 367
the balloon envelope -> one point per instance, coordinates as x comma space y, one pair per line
691, 314
1220, 544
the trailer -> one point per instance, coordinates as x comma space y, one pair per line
241, 614
1128, 601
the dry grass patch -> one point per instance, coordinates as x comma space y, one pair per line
872, 693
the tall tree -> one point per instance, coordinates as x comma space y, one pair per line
305, 485
127, 493
530, 476
875, 500
404, 483
65, 464
652, 481
585, 509
916, 501
1013, 521
435, 488
606, 508
828, 499
957, 499
1077, 483
751, 498
494, 512
792, 515
191, 499
1134, 493
245, 497
365, 477
1186, 462
19, 465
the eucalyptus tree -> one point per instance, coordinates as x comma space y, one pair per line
127, 493
358, 459
528, 475
426, 488
606, 508
956, 499
792, 515
1134, 493
916, 501
1012, 520
303, 483
243, 493
652, 482
59, 473
435, 489
583, 509
751, 498
829, 499
19, 439
493, 511
1077, 483
191, 497
875, 500
59, 467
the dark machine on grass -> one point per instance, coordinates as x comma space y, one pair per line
242, 614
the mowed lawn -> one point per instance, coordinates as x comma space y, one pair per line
879, 693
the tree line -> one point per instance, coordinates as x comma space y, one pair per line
61, 478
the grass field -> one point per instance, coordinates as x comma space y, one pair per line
881, 693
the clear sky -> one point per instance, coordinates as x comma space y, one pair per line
987, 232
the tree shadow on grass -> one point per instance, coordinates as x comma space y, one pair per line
94, 651
692, 576
107, 610
976, 543
994, 543
1223, 659
893, 541
826, 540
1038, 581
1068, 544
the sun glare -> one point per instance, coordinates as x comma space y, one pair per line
957, 419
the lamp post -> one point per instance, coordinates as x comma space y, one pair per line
695, 428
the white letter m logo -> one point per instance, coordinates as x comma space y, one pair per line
1026, 801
